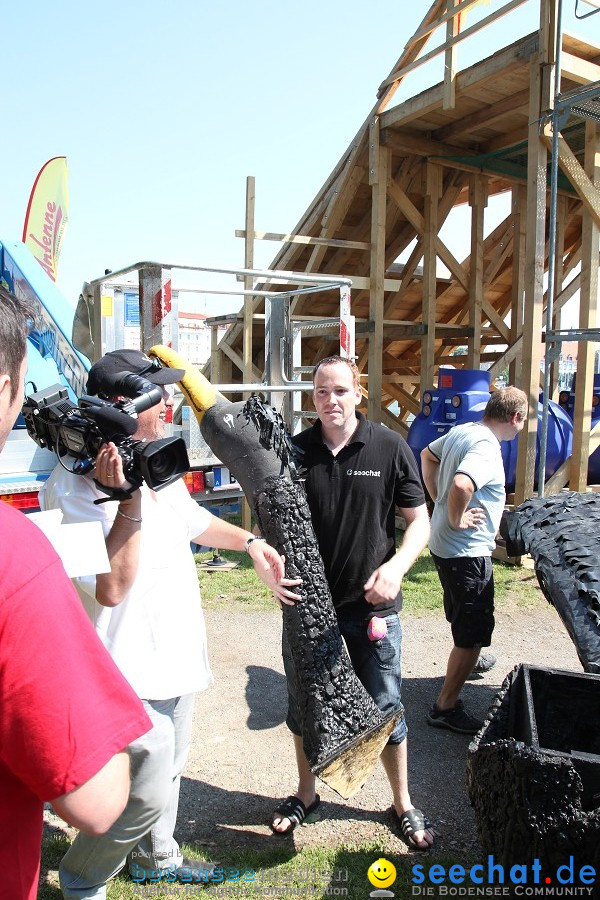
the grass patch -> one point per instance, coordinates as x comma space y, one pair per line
421, 587
241, 586
278, 872
423, 593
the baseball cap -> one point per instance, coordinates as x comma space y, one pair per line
99, 376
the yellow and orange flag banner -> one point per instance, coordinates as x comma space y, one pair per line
46, 217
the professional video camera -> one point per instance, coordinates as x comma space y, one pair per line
54, 422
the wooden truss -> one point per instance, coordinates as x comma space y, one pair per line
477, 133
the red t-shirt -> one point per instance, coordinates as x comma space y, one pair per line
65, 709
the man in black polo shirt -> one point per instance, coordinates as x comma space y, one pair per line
357, 474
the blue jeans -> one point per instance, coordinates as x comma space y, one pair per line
143, 833
377, 665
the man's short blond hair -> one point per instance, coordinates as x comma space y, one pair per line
506, 403
334, 360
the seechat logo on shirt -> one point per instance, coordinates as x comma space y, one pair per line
368, 472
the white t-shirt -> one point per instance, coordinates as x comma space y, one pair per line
472, 450
156, 635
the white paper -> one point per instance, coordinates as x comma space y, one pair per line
81, 547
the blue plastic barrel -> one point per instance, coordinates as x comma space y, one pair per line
558, 444
461, 396
566, 400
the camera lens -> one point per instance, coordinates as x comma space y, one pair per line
161, 462
162, 466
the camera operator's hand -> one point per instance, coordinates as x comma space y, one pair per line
109, 467
122, 542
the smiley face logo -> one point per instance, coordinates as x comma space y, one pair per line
381, 873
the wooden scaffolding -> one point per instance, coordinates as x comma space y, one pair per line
479, 132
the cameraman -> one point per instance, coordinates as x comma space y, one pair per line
147, 612
58, 685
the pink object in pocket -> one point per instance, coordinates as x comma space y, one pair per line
376, 629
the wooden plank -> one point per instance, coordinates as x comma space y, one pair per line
394, 422
477, 200
559, 275
406, 400
249, 301
519, 218
306, 239
412, 214
588, 300
475, 76
432, 191
488, 116
535, 253
363, 283
559, 479
425, 30
419, 39
477, 26
579, 70
379, 164
452, 30
588, 192
421, 144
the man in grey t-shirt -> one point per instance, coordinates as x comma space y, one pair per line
464, 475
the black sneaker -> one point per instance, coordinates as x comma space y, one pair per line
455, 719
485, 662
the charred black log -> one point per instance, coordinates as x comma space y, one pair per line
343, 731
533, 772
562, 533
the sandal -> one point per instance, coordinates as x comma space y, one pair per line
293, 808
409, 822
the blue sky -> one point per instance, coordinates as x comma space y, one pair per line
162, 110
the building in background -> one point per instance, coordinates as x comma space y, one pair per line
120, 300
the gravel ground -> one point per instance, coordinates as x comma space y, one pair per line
242, 760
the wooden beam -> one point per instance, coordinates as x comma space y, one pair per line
475, 76
425, 30
535, 254
379, 160
452, 30
559, 276
477, 26
432, 192
394, 423
589, 193
398, 332
416, 43
412, 214
306, 239
403, 142
582, 71
588, 300
248, 280
519, 219
485, 117
477, 200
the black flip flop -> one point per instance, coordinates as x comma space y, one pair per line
293, 808
410, 821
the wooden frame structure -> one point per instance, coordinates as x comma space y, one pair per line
477, 133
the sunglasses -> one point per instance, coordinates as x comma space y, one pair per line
154, 366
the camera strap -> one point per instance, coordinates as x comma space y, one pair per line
115, 493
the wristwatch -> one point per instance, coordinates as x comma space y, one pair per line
255, 537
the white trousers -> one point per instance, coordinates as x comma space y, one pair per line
143, 833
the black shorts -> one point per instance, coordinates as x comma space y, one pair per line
468, 583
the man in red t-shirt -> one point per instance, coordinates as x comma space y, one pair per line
66, 712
